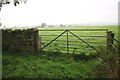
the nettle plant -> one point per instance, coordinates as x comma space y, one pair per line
15, 2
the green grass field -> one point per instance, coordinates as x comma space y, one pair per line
48, 64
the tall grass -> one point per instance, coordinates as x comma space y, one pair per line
60, 65
46, 65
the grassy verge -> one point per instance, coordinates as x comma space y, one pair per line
60, 65
47, 65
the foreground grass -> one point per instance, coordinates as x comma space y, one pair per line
47, 65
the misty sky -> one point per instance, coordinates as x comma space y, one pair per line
35, 12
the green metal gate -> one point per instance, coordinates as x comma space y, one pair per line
72, 40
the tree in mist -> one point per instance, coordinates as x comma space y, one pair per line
0, 24
43, 24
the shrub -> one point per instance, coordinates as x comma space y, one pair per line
107, 65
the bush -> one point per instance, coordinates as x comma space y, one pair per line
107, 64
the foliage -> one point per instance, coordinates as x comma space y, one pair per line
43, 24
107, 65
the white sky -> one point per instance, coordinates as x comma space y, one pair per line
35, 12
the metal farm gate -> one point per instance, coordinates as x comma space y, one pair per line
72, 40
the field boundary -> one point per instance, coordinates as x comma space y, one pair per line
67, 33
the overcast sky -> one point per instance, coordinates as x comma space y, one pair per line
35, 12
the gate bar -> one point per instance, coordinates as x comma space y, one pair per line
53, 39
84, 41
73, 29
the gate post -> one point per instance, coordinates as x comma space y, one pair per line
36, 40
67, 42
110, 40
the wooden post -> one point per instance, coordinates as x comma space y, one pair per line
110, 40
36, 40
